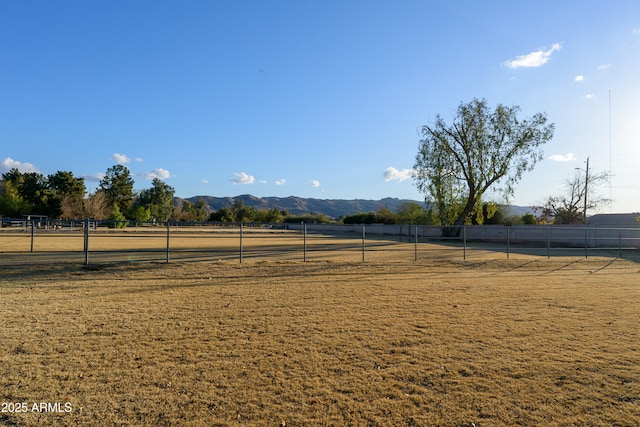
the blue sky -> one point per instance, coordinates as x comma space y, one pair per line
310, 98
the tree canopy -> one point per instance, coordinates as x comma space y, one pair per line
158, 199
33, 193
117, 186
480, 150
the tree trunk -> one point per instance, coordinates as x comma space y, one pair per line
454, 230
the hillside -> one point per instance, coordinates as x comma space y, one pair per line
299, 206
333, 208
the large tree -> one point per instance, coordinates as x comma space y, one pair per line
96, 206
68, 191
480, 150
65, 184
30, 192
159, 200
12, 204
117, 186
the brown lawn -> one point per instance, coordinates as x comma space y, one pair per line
484, 342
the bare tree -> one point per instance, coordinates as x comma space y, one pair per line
96, 206
73, 207
581, 196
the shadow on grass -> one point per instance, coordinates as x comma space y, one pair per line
501, 250
25, 267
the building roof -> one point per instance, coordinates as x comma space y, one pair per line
615, 220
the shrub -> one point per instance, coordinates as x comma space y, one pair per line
116, 218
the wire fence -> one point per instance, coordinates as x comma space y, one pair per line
99, 242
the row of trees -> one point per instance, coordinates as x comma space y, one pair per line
414, 213
31, 193
63, 195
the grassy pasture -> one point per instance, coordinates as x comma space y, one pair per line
333, 341
224, 243
190, 244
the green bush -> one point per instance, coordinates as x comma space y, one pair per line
116, 218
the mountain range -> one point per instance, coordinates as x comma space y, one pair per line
333, 208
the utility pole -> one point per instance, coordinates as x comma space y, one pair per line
586, 187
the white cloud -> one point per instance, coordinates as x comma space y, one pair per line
242, 178
533, 59
636, 31
603, 67
589, 96
393, 174
159, 173
563, 157
120, 159
139, 159
262, 181
205, 181
579, 78
315, 183
96, 177
281, 182
9, 163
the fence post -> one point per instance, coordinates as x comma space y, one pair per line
168, 227
32, 233
508, 229
464, 243
363, 237
619, 243
86, 241
241, 231
304, 228
415, 249
586, 243
548, 242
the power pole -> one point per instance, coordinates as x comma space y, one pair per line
586, 187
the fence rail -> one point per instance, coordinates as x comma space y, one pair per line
107, 241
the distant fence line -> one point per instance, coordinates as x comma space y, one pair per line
539, 239
571, 236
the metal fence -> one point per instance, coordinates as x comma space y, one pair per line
98, 242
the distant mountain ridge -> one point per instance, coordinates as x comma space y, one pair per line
333, 208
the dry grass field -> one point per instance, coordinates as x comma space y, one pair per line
331, 342
206, 244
